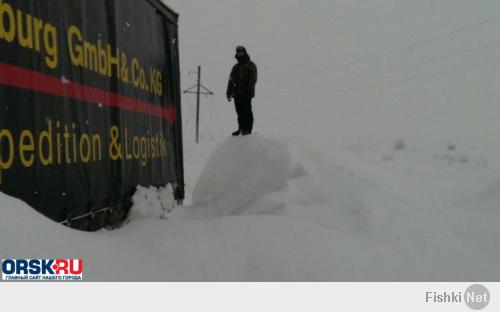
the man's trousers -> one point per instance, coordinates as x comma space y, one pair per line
245, 114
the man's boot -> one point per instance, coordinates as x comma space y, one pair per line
237, 133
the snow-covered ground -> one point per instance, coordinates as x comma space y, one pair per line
377, 156
289, 209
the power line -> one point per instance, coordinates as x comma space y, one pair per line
405, 48
398, 81
397, 69
431, 74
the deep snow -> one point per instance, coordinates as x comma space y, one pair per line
378, 156
288, 212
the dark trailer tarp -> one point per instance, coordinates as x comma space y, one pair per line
89, 105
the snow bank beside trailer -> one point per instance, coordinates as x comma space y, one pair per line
295, 211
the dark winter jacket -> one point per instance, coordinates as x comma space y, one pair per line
242, 79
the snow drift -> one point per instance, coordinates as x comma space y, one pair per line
238, 173
266, 210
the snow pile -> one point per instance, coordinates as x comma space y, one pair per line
152, 203
239, 172
395, 220
255, 175
266, 210
251, 248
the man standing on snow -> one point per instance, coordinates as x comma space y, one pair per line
241, 87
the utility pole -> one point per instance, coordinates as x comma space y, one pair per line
198, 92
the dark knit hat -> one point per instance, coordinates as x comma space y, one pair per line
241, 48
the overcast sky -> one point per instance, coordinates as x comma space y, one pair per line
328, 52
